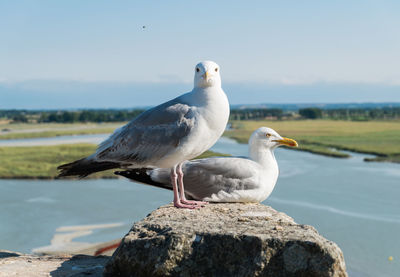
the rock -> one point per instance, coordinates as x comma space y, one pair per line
17, 264
224, 240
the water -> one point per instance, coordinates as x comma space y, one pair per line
350, 202
31, 211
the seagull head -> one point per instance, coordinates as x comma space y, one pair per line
206, 74
265, 137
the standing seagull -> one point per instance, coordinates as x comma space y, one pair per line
226, 179
167, 135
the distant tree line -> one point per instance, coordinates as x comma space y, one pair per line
248, 114
352, 114
89, 116
21, 116
311, 113
363, 114
16, 115
113, 115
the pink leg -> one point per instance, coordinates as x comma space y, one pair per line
177, 201
182, 189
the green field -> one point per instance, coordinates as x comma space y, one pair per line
381, 138
325, 137
41, 161
42, 130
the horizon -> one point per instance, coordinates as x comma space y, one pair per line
41, 94
284, 106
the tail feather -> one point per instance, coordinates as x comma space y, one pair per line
142, 175
84, 167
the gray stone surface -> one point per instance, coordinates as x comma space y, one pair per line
224, 240
18, 264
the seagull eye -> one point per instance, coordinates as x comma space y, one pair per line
216, 69
197, 69
268, 135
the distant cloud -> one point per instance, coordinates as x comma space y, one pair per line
298, 81
42, 94
394, 81
170, 78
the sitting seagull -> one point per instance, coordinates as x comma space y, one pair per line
166, 135
226, 179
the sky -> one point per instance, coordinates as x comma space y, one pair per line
268, 51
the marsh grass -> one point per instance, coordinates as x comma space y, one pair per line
24, 131
324, 137
41, 162
328, 137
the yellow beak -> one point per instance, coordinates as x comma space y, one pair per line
287, 141
206, 75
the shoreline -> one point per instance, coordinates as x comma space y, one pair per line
239, 131
377, 158
63, 241
316, 152
20, 162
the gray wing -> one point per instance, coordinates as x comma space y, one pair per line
150, 136
204, 177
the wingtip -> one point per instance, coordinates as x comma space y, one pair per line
64, 166
124, 173
61, 175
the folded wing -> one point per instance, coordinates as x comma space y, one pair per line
205, 177
150, 136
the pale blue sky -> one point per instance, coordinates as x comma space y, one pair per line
287, 43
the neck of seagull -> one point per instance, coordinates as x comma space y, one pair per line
206, 89
213, 95
263, 156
